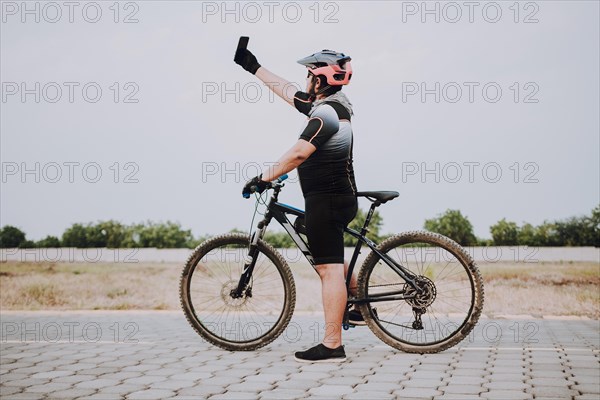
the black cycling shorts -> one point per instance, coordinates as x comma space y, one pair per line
326, 217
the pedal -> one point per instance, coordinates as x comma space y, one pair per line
347, 326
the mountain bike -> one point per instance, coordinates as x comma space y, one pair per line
419, 292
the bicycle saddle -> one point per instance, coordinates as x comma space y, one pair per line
381, 197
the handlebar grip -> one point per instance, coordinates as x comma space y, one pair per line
253, 189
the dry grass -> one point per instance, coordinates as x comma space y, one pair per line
36, 286
561, 288
511, 288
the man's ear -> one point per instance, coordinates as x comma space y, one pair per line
317, 84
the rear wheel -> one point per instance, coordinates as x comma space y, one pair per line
249, 322
440, 312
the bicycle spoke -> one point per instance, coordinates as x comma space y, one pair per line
233, 320
444, 292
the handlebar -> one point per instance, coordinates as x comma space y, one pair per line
281, 178
277, 183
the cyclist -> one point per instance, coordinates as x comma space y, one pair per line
323, 156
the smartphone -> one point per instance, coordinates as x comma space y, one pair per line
243, 43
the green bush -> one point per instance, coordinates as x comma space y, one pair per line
27, 244
357, 224
527, 235
11, 237
578, 231
453, 225
162, 236
574, 231
505, 233
114, 235
279, 239
75, 236
48, 241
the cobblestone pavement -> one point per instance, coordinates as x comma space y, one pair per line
156, 355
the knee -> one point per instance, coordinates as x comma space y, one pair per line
331, 271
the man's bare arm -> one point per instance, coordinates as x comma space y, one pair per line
278, 85
290, 160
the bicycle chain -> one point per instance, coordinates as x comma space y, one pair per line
387, 284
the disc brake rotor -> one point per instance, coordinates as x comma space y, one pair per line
226, 295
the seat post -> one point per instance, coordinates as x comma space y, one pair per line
364, 229
358, 246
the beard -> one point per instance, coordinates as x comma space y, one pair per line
311, 88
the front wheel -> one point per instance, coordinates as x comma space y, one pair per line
440, 312
232, 322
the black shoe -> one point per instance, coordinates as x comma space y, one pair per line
321, 353
356, 318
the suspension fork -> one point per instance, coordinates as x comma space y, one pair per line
250, 261
243, 287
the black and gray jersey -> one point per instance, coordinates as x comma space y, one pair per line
329, 169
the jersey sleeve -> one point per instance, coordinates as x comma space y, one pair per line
302, 102
322, 125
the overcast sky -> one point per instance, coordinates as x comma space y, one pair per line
489, 108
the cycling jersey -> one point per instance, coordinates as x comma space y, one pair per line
329, 169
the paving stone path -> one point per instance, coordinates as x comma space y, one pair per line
156, 355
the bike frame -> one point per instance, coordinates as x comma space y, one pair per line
280, 212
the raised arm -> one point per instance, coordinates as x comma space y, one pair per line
277, 84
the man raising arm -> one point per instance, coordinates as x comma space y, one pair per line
323, 157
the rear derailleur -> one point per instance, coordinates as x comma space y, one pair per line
417, 323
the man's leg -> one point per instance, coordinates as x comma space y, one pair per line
352, 289
333, 287
355, 317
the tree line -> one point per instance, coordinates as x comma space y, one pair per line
111, 234
573, 231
